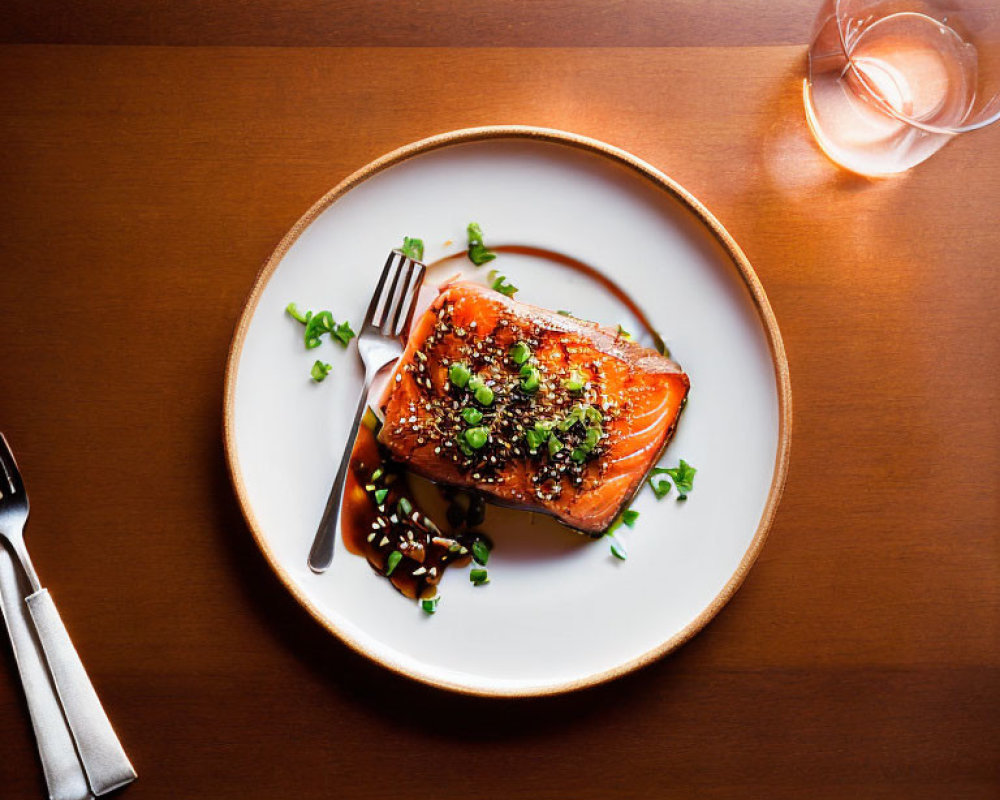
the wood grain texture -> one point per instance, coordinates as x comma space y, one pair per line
143, 187
434, 23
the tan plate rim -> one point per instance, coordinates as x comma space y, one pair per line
657, 178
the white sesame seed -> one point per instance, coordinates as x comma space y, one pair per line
384, 541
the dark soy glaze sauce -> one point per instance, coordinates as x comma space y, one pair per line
375, 530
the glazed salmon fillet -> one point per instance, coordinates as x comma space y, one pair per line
531, 408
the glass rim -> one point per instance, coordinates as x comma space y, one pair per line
888, 109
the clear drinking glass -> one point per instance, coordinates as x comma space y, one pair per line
892, 81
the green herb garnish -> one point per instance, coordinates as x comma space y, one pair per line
575, 382
316, 326
413, 248
479, 577
480, 391
660, 486
377, 474
617, 548
576, 414
319, 371
293, 310
472, 416
624, 334
404, 507
554, 445
476, 437
380, 496
531, 378
519, 353
538, 435
683, 476
478, 252
502, 285
430, 604
480, 552
627, 517
459, 375
392, 562
343, 333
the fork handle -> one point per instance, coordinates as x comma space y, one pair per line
104, 761
60, 764
321, 555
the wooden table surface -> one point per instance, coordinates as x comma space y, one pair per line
152, 156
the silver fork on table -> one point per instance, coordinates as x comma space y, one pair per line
388, 316
104, 761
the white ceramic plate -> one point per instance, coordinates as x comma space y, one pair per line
560, 612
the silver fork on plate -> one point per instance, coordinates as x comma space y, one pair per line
388, 316
104, 761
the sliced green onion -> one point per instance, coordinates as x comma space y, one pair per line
479, 577
343, 333
405, 507
413, 248
660, 486
535, 438
478, 253
464, 447
480, 552
505, 287
472, 416
293, 310
430, 604
476, 437
579, 455
319, 371
392, 562
380, 496
519, 353
575, 415
683, 478
484, 396
575, 382
617, 548
377, 474
459, 375
531, 379
592, 414
624, 334
629, 517
554, 445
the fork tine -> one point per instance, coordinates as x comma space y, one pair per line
390, 296
373, 307
391, 329
9, 468
409, 300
